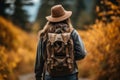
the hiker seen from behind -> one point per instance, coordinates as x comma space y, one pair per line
59, 47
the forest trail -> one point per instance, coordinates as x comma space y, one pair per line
30, 76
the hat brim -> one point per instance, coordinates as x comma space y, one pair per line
58, 19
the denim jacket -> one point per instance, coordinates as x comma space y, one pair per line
79, 53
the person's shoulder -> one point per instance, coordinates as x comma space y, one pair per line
40, 35
74, 32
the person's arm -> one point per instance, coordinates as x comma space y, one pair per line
39, 63
79, 49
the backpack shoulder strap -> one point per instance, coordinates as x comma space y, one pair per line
66, 37
51, 37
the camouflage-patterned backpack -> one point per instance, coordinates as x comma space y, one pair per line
60, 53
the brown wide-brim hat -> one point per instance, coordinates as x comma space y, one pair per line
58, 13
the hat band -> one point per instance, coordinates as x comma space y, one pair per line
58, 14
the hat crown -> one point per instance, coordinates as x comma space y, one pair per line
57, 11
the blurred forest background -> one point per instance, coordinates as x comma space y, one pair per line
97, 21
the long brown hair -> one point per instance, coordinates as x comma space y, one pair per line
52, 26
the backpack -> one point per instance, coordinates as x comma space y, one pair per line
60, 53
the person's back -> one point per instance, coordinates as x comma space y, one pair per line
59, 50
59, 47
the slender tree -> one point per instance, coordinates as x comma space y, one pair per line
20, 16
3, 7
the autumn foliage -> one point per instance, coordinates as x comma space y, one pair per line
108, 10
17, 51
102, 42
